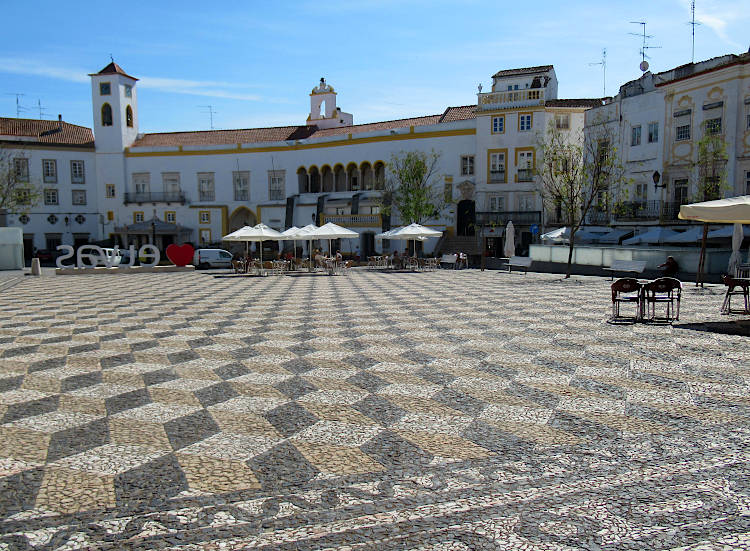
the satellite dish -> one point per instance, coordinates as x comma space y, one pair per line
644, 65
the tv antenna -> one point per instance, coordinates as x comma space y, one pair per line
603, 63
693, 23
211, 113
19, 108
644, 46
42, 110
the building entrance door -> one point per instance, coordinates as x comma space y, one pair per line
465, 217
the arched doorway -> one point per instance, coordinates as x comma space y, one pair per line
465, 217
242, 216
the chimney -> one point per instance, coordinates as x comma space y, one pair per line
59, 121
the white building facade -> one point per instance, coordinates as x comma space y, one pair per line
205, 184
658, 121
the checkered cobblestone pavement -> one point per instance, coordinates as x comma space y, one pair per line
452, 410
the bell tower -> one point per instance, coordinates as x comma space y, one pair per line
323, 110
115, 105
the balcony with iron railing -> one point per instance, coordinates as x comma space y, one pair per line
155, 197
525, 174
633, 211
497, 176
502, 217
353, 220
511, 98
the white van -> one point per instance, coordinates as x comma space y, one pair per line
212, 258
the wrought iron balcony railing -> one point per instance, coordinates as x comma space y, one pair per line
353, 220
502, 217
525, 175
155, 197
497, 176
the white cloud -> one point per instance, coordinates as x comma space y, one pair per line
216, 89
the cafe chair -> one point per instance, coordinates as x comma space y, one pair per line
626, 290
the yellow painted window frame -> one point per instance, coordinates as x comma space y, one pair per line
202, 231
504, 151
135, 216
201, 213
166, 216
523, 113
492, 123
107, 187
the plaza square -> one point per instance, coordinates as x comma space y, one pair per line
445, 410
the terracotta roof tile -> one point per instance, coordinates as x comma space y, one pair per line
225, 137
375, 126
460, 113
523, 71
112, 69
582, 102
45, 131
288, 133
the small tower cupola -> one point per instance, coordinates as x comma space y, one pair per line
323, 110
115, 105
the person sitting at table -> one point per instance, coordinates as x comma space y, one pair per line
670, 267
397, 261
338, 256
320, 260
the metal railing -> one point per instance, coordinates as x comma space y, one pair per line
502, 217
155, 197
353, 220
647, 210
497, 176
525, 175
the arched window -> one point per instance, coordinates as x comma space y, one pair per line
129, 116
106, 115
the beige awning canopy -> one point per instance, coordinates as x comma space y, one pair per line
734, 210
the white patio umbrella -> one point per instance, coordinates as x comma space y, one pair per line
726, 232
736, 258
258, 233
239, 235
559, 235
510, 240
693, 235
733, 210
304, 234
414, 232
331, 231
292, 233
656, 235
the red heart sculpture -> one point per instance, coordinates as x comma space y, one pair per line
180, 255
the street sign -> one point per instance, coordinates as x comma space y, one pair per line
534, 229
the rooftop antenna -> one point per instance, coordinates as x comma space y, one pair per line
603, 63
644, 45
41, 109
211, 113
693, 23
19, 108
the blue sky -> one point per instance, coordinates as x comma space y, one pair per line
256, 62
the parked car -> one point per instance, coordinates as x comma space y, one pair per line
212, 258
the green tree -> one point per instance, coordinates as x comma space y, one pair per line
411, 189
577, 174
711, 164
17, 193
711, 169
